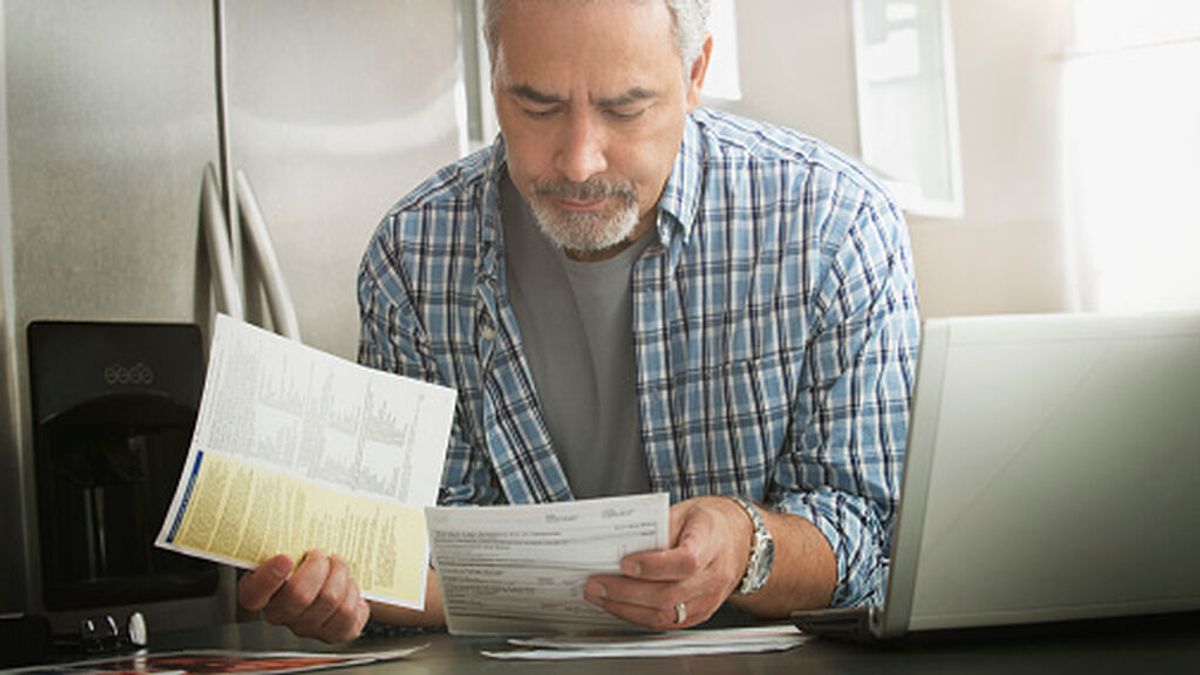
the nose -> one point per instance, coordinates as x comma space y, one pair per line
581, 151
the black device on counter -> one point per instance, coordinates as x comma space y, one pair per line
113, 407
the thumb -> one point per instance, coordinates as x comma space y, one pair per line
255, 589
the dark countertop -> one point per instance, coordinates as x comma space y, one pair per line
1156, 645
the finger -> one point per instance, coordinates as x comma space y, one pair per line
678, 514
328, 600
300, 590
696, 610
346, 623
651, 594
688, 557
254, 589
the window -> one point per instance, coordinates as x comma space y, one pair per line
1132, 150
907, 102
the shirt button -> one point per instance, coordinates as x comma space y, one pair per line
487, 333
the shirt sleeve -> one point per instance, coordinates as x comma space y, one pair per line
843, 469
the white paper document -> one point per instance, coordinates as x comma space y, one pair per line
520, 570
746, 640
296, 449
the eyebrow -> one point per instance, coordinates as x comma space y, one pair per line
530, 94
634, 95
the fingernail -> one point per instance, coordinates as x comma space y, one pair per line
595, 591
279, 566
631, 569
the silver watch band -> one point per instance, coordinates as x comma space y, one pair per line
762, 551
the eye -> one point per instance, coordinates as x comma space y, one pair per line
625, 114
540, 113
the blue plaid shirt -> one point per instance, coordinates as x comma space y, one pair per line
775, 328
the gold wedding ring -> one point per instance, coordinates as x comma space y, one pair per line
680, 613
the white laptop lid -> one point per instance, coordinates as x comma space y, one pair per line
1053, 472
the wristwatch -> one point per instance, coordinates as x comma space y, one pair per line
762, 552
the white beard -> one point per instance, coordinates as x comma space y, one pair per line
586, 232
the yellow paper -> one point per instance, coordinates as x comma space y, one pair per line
238, 512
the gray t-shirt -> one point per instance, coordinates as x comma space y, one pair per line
577, 328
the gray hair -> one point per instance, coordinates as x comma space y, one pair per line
689, 21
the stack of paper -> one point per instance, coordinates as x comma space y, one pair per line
680, 643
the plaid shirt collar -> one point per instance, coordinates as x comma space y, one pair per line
680, 201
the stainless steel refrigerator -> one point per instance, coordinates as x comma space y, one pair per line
115, 111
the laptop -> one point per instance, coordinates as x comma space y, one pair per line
1052, 474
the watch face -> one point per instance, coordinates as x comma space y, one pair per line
760, 566
766, 558
768, 555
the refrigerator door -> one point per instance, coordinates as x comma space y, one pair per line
111, 116
336, 109
111, 119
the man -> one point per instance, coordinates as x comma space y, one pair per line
631, 293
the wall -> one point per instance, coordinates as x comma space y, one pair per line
1005, 254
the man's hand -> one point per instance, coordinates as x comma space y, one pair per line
318, 600
710, 546
709, 551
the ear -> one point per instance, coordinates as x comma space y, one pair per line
696, 77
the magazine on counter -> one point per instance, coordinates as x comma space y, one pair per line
217, 661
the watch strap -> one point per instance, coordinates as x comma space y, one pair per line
760, 557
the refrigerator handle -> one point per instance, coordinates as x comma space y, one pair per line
216, 238
279, 299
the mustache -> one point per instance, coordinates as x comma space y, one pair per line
591, 189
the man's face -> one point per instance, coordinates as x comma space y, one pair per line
591, 101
